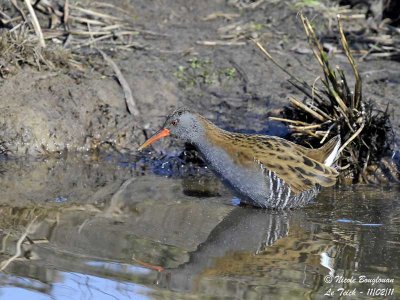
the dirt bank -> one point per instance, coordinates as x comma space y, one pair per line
175, 59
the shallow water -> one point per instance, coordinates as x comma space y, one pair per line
105, 229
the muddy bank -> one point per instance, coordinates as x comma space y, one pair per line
84, 108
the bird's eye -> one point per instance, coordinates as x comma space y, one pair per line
174, 122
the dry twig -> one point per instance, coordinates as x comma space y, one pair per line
130, 102
220, 43
35, 23
18, 251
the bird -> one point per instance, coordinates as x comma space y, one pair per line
263, 171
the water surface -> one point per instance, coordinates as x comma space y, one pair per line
102, 229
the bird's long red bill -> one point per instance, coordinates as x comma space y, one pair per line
158, 135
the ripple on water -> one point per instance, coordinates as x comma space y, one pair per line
114, 233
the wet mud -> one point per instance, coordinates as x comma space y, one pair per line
82, 108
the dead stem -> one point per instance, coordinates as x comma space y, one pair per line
335, 109
66, 13
352, 137
306, 109
288, 121
93, 13
358, 85
220, 43
130, 102
35, 23
18, 251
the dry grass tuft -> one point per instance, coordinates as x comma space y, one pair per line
50, 33
336, 108
19, 48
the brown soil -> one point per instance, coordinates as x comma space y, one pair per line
81, 108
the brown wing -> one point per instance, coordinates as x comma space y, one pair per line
290, 164
287, 160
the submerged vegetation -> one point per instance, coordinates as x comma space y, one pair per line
335, 108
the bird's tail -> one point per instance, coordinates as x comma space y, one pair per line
334, 154
327, 154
